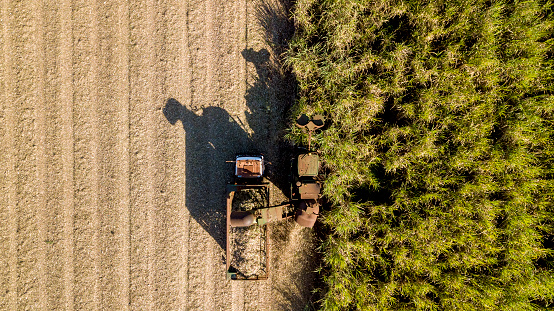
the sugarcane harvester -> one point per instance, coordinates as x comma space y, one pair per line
249, 177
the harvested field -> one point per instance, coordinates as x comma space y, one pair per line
116, 120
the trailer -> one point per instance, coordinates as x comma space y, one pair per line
248, 213
247, 238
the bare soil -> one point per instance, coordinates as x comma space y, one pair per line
116, 120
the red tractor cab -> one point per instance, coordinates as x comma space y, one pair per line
249, 167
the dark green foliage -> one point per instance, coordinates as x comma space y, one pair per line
440, 149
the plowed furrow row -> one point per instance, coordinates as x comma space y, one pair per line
196, 146
237, 296
86, 156
196, 25
108, 119
142, 177
168, 208
67, 152
123, 140
240, 35
26, 214
227, 138
8, 215
41, 127
183, 94
49, 161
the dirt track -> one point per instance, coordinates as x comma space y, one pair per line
116, 121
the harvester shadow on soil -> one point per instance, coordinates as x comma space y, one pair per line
210, 141
213, 136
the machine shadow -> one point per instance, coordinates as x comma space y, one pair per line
213, 136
